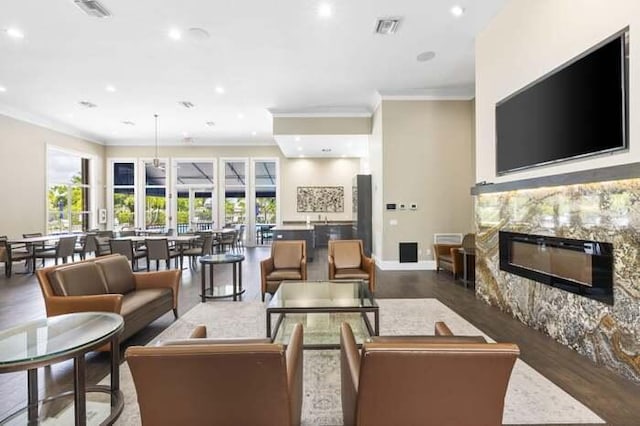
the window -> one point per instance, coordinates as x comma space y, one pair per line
195, 187
265, 186
235, 185
124, 195
68, 203
155, 196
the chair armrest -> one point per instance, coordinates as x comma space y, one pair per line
303, 268
349, 372
58, 305
160, 279
439, 249
266, 267
441, 329
200, 332
294, 373
369, 266
457, 260
206, 341
332, 267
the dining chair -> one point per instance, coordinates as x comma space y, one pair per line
8, 255
88, 244
63, 250
203, 249
158, 249
125, 247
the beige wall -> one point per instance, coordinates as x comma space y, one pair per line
427, 160
23, 158
321, 125
530, 38
317, 172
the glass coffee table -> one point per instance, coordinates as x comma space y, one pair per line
321, 306
46, 341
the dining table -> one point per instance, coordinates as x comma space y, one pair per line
31, 242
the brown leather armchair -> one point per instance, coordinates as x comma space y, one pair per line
448, 257
348, 262
222, 382
426, 379
287, 262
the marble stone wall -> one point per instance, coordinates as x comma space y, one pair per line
606, 211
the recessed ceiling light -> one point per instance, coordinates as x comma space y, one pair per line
297, 138
3, 89
210, 123
301, 156
175, 34
254, 133
219, 89
325, 10
344, 155
426, 56
299, 148
110, 88
240, 116
457, 11
69, 115
198, 34
14, 33
185, 134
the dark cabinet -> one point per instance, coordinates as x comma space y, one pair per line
362, 211
327, 232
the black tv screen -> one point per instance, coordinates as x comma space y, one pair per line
576, 110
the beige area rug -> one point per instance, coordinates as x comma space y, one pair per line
531, 398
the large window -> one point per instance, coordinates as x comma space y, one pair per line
265, 187
124, 195
68, 207
155, 195
195, 185
235, 188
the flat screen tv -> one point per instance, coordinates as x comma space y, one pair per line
577, 110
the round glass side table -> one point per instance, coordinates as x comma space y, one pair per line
234, 289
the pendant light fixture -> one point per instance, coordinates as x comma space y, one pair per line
156, 159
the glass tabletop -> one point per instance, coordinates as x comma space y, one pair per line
48, 338
222, 258
322, 328
322, 294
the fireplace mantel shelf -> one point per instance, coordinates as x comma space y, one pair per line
605, 174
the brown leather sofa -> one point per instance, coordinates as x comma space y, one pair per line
448, 257
107, 284
348, 262
442, 380
287, 262
219, 382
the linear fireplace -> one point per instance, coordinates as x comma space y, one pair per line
579, 266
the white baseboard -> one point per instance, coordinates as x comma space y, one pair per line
394, 265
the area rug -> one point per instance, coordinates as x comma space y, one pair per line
531, 398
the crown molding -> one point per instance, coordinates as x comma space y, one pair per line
46, 123
328, 113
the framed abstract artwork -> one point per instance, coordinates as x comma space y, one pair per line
325, 199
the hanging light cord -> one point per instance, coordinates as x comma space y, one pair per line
156, 117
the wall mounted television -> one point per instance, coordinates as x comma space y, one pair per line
577, 110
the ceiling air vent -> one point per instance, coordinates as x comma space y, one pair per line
210, 123
128, 123
87, 104
186, 104
386, 26
93, 8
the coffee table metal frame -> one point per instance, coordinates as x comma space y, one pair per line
80, 388
363, 310
218, 259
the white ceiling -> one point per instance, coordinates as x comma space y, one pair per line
331, 146
268, 56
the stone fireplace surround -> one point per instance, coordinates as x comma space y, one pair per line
598, 205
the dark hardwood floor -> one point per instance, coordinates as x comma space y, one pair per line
613, 398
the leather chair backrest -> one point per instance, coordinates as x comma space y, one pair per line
80, 279
347, 254
117, 274
227, 384
434, 383
287, 254
469, 241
